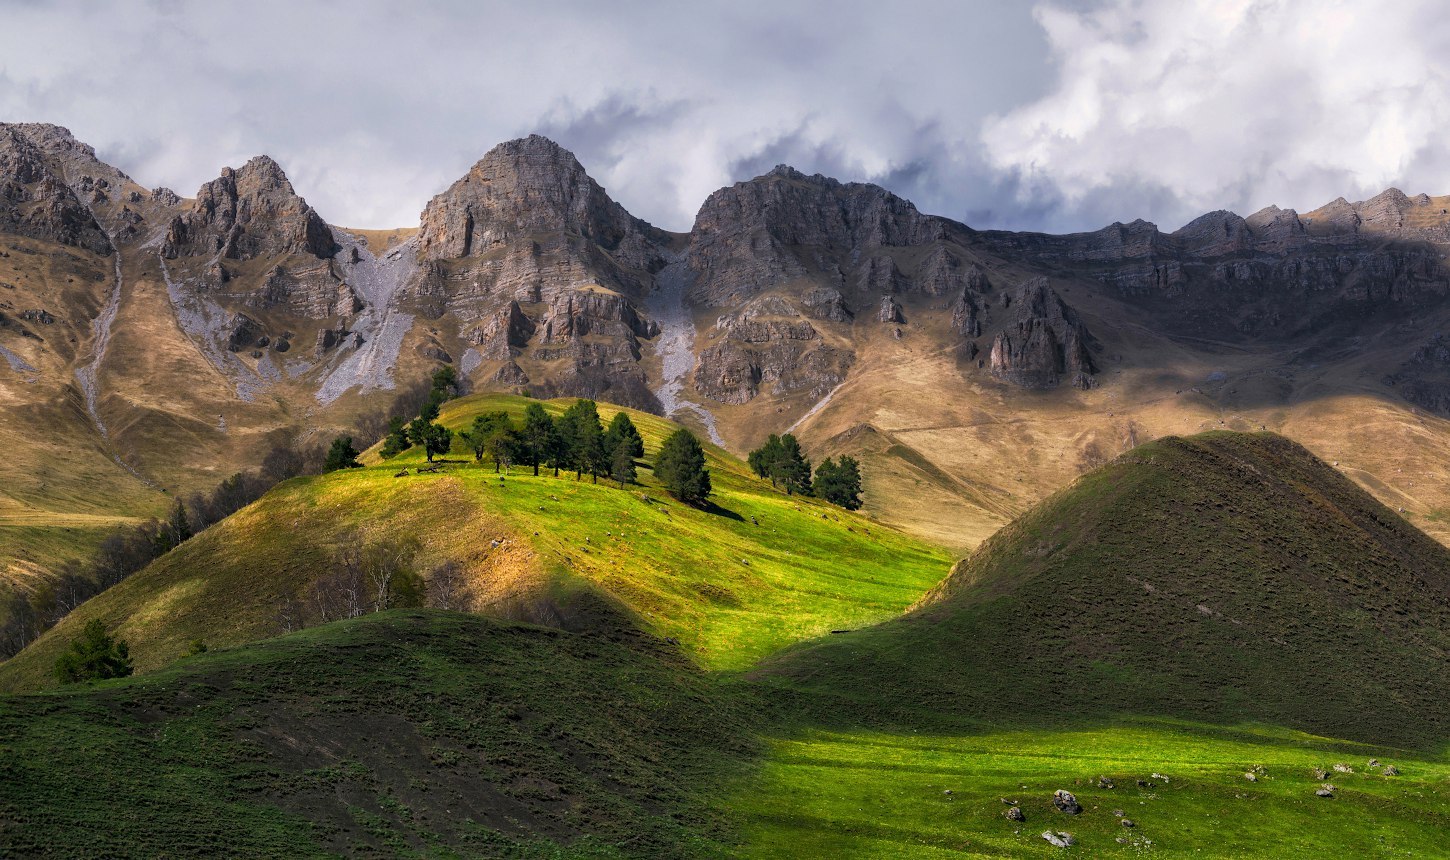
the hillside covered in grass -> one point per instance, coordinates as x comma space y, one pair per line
734, 581
406, 733
1223, 577
1191, 639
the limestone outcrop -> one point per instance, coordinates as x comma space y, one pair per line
35, 200
1046, 345
248, 213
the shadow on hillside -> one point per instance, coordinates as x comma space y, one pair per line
710, 507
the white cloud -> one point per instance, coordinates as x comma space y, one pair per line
1171, 109
990, 111
373, 107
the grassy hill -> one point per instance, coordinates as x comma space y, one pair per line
407, 733
1223, 577
1197, 611
755, 571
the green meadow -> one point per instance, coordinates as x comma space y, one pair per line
767, 676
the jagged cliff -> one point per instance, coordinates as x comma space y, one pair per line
543, 273
36, 201
247, 213
1046, 344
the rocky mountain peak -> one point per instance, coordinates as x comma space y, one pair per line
527, 186
35, 198
754, 230
1214, 234
250, 212
52, 138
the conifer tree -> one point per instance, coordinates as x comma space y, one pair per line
680, 466
622, 466
623, 432
839, 482
539, 439
397, 440
93, 656
341, 455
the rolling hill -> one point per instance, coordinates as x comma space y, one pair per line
407, 733
735, 581
1192, 637
1225, 577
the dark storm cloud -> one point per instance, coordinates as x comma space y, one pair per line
1054, 116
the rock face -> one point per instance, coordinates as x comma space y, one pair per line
1424, 378
782, 226
767, 343
1047, 344
248, 213
311, 292
1276, 274
35, 200
545, 272
526, 187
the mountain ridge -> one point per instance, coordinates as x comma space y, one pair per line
802, 299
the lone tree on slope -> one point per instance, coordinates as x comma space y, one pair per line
341, 455
681, 468
93, 656
434, 439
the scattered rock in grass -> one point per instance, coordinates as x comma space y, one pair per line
1008, 802
1105, 782
1128, 822
1059, 838
1325, 790
947, 791
1391, 770
402, 474
1119, 813
1320, 773
494, 544
1343, 768
1159, 776
1015, 813
1374, 762
1066, 802
1251, 776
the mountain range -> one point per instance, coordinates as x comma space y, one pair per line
1153, 553
163, 342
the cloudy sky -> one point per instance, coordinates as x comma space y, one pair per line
1055, 115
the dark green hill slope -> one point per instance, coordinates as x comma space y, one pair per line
408, 733
1223, 577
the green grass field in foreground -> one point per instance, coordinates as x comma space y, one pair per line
861, 794
409, 733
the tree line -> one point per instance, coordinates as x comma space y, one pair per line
577, 441
130, 548
24, 616
782, 461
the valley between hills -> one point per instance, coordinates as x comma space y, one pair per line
1152, 559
